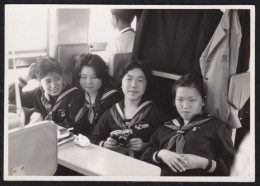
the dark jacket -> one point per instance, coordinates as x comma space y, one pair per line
149, 118
105, 99
61, 111
210, 140
175, 38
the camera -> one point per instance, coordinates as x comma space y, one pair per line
122, 136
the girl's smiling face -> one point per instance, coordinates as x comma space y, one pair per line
89, 80
134, 84
52, 83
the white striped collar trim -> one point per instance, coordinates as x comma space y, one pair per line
46, 95
120, 111
87, 98
108, 94
141, 106
137, 110
65, 93
176, 122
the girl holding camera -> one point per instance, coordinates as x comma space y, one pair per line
134, 112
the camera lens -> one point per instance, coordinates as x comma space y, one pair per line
122, 140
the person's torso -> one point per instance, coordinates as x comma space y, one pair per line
60, 110
200, 140
85, 127
124, 42
142, 128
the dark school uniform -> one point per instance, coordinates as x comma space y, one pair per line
146, 120
209, 139
89, 114
61, 109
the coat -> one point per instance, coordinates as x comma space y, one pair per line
218, 62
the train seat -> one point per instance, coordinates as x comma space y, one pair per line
65, 54
119, 61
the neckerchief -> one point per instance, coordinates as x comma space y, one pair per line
178, 138
140, 113
91, 107
46, 102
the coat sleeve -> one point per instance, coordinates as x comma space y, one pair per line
226, 152
102, 130
153, 147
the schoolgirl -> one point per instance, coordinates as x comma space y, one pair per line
135, 112
55, 100
96, 92
195, 144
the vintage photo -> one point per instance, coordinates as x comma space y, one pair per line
129, 93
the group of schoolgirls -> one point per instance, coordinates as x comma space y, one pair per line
193, 144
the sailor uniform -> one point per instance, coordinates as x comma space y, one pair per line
61, 109
89, 114
203, 136
145, 121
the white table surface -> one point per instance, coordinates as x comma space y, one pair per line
94, 160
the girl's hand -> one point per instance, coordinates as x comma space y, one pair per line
194, 161
174, 160
136, 144
111, 143
29, 73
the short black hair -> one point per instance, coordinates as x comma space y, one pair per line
188, 80
45, 65
142, 66
126, 15
94, 61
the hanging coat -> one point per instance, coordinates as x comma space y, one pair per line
218, 62
172, 40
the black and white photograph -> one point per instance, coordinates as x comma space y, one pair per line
158, 93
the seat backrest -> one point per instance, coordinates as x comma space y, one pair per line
32, 150
119, 61
65, 55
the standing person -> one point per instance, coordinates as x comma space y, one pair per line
134, 112
194, 144
97, 93
124, 42
54, 99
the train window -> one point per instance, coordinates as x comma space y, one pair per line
31, 39
26, 36
101, 30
